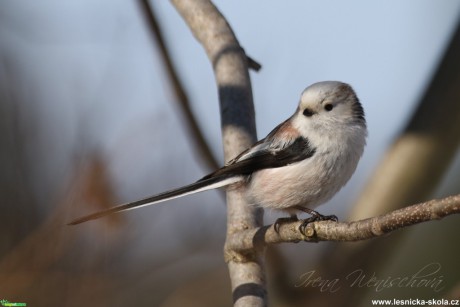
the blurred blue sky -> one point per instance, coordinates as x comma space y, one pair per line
86, 74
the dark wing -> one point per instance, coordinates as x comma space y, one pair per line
259, 144
267, 153
266, 157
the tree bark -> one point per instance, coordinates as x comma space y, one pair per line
238, 133
436, 209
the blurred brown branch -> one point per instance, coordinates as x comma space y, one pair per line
197, 137
247, 240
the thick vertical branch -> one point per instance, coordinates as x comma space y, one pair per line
238, 133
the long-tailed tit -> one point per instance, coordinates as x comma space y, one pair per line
301, 164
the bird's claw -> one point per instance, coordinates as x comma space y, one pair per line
283, 220
315, 218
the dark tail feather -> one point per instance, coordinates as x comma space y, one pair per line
199, 186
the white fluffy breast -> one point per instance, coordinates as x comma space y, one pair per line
312, 181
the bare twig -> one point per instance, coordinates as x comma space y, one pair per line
204, 152
248, 240
253, 64
238, 131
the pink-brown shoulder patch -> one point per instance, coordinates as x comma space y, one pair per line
287, 131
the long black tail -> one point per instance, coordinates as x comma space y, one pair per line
199, 186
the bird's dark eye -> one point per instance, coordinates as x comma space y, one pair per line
328, 107
307, 112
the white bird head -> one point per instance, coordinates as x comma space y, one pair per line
328, 106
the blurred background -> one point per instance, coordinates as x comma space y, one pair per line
89, 119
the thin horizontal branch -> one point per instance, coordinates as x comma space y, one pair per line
245, 241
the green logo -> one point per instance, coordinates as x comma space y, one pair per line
7, 303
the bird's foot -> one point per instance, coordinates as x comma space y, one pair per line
315, 217
282, 220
